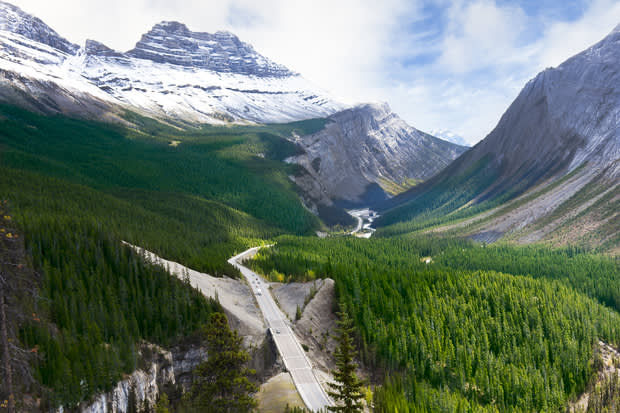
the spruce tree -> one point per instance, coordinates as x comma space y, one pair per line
222, 383
347, 390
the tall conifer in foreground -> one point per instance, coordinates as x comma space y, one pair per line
222, 384
347, 389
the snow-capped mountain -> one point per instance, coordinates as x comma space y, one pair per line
449, 136
366, 153
172, 73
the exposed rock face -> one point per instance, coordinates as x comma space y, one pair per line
142, 386
174, 43
173, 367
318, 324
555, 151
368, 147
562, 118
14, 20
171, 74
94, 48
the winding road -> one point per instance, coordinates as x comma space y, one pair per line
288, 345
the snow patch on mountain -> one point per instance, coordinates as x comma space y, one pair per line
171, 73
449, 136
14, 20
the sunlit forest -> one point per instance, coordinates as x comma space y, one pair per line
449, 325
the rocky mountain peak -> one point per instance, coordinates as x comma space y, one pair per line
366, 153
172, 27
173, 43
566, 119
95, 48
15, 20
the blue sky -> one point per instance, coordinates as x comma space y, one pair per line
440, 64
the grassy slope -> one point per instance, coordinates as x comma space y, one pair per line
458, 207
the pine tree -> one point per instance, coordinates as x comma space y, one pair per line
347, 390
222, 383
163, 404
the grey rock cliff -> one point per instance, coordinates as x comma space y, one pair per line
14, 20
367, 147
174, 43
553, 159
562, 118
143, 383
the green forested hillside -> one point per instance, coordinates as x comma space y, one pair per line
438, 201
232, 167
76, 189
454, 335
102, 300
220, 188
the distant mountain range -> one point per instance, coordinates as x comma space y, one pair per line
557, 145
551, 166
186, 78
449, 136
172, 74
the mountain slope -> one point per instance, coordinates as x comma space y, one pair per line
172, 73
560, 136
365, 154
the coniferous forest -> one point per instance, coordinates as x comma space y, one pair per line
440, 324
76, 189
456, 334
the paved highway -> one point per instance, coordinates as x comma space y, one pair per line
289, 347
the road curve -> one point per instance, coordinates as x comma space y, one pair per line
288, 345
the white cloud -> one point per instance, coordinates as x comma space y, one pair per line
479, 34
485, 58
563, 40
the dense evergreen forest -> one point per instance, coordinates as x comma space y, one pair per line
443, 323
76, 189
447, 331
218, 191
103, 299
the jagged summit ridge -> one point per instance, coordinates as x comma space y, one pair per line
174, 43
172, 73
14, 20
365, 152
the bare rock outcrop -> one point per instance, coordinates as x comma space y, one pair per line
366, 154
